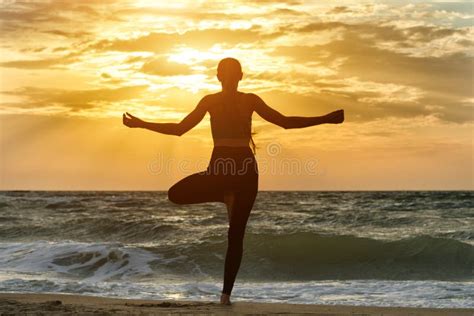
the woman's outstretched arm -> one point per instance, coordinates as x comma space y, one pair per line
178, 129
275, 117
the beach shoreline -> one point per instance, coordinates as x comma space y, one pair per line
67, 304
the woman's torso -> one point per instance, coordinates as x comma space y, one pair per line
231, 123
231, 119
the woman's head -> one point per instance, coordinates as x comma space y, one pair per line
229, 73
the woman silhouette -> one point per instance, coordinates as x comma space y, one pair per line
231, 176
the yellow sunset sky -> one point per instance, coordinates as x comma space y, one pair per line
402, 71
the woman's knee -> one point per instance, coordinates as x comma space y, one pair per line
174, 195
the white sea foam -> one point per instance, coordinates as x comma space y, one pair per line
89, 262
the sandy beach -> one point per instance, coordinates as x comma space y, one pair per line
62, 304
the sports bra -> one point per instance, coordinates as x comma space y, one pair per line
231, 120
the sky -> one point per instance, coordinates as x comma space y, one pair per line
402, 71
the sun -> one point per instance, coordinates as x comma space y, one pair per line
191, 56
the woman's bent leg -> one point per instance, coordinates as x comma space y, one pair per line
196, 188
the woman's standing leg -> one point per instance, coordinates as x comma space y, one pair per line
239, 213
229, 198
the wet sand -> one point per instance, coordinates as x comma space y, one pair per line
63, 304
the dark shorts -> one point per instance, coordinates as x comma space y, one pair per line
230, 169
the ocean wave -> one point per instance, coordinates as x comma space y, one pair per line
85, 229
143, 217
87, 262
310, 256
267, 257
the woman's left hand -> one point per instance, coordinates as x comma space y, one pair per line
335, 117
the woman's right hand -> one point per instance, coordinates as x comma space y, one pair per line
131, 121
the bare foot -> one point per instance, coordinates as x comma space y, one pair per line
225, 299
